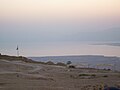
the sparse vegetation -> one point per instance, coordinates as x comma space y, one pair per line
105, 76
36, 75
91, 75
15, 58
71, 66
61, 64
84, 75
20, 58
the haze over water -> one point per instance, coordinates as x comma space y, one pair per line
62, 49
59, 27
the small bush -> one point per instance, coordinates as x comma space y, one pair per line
71, 66
105, 76
84, 75
93, 75
61, 64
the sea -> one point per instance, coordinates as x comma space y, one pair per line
83, 54
92, 55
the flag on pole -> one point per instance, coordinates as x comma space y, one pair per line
17, 47
17, 51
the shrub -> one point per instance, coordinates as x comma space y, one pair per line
84, 75
93, 75
71, 66
105, 76
61, 64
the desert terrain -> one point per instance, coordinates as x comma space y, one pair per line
21, 75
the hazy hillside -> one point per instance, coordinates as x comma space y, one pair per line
85, 59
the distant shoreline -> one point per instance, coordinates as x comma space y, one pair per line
86, 60
109, 44
73, 56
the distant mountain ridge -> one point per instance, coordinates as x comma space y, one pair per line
88, 59
79, 57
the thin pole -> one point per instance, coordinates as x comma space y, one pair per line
17, 51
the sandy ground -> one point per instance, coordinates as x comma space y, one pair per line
28, 76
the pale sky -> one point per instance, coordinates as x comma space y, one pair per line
31, 21
58, 10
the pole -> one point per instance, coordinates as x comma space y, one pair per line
17, 51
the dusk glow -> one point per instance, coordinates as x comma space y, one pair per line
59, 9
58, 21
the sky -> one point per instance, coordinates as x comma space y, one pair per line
26, 22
